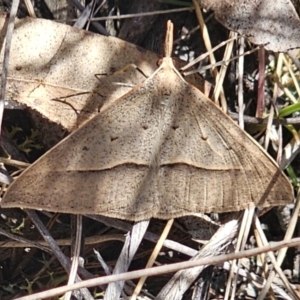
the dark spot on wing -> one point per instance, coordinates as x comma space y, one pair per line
113, 138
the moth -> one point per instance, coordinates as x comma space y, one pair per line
163, 150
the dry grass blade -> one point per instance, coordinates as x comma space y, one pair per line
282, 252
204, 55
240, 74
56, 250
182, 280
240, 245
152, 258
19, 242
271, 114
261, 241
75, 258
207, 42
132, 242
165, 11
8, 41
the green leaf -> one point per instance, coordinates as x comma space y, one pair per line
289, 110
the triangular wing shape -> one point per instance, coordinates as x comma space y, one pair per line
163, 150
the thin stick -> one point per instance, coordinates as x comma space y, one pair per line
9, 34
219, 63
163, 269
241, 42
218, 91
146, 14
208, 46
261, 83
271, 114
153, 256
282, 252
56, 250
207, 53
261, 241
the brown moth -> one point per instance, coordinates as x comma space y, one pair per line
163, 150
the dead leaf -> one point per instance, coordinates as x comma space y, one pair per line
275, 24
60, 66
163, 150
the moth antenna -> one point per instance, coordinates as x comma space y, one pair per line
168, 46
